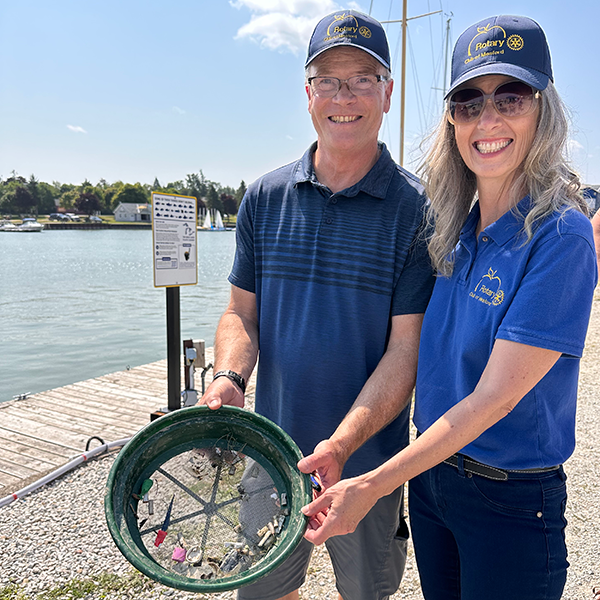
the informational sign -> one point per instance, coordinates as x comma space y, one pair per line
174, 240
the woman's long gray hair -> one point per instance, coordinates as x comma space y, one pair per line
545, 175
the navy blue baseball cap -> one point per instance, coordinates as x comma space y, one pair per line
350, 28
502, 45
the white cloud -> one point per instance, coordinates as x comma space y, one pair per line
284, 25
76, 128
178, 110
574, 146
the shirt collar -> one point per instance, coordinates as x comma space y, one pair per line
375, 182
507, 227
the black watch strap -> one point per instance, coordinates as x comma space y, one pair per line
235, 377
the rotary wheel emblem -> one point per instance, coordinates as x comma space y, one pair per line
498, 298
365, 32
515, 42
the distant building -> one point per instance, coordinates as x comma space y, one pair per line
127, 211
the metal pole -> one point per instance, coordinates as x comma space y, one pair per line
403, 82
173, 349
446, 56
404, 22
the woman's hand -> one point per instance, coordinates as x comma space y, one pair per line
339, 509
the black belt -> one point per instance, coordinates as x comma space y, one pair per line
473, 467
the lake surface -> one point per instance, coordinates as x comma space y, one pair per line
80, 304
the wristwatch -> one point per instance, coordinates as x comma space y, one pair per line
235, 377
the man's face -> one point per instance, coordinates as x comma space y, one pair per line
347, 122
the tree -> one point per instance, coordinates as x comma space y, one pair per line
24, 200
132, 193
229, 204
239, 194
33, 189
88, 203
68, 198
196, 185
47, 198
212, 199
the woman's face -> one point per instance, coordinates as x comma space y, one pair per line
492, 146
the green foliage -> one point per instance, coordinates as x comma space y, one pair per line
106, 585
21, 196
132, 193
88, 202
11, 592
24, 201
239, 194
68, 198
213, 200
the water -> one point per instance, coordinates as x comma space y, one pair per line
80, 304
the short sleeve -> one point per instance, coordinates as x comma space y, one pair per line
243, 271
551, 308
415, 284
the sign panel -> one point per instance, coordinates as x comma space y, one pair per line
174, 240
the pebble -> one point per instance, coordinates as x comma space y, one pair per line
58, 533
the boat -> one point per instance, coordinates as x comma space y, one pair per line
219, 222
7, 226
207, 222
29, 225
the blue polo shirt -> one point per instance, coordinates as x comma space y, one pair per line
329, 271
537, 293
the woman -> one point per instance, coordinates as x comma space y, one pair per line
501, 338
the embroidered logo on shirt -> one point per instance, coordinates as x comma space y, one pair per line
488, 289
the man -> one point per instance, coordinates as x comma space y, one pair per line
330, 282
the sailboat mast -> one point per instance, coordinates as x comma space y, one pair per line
404, 22
446, 54
403, 82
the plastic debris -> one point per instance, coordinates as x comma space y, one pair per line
146, 485
161, 534
179, 554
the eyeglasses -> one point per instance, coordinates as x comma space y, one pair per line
360, 85
512, 99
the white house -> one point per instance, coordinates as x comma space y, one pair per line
127, 211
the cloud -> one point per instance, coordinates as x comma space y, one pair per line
76, 128
178, 110
283, 25
574, 146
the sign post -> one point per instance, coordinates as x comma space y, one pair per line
175, 259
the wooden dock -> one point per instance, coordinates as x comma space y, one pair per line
44, 431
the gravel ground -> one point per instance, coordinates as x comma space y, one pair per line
54, 543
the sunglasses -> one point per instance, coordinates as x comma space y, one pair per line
512, 99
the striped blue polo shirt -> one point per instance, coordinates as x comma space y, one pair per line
328, 271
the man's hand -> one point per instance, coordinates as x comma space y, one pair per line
338, 510
222, 391
327, 461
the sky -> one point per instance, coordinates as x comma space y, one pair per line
134, 90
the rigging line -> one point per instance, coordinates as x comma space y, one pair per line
430, 32
417, 85
371, 7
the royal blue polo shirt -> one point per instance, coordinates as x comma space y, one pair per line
537, 293
329, 271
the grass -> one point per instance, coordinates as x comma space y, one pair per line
104, 585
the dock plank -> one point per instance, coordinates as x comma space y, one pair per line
44, 431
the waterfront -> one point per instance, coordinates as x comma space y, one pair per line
79, 304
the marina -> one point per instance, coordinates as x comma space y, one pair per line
46, 430
78, 304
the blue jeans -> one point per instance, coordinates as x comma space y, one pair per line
477, 539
